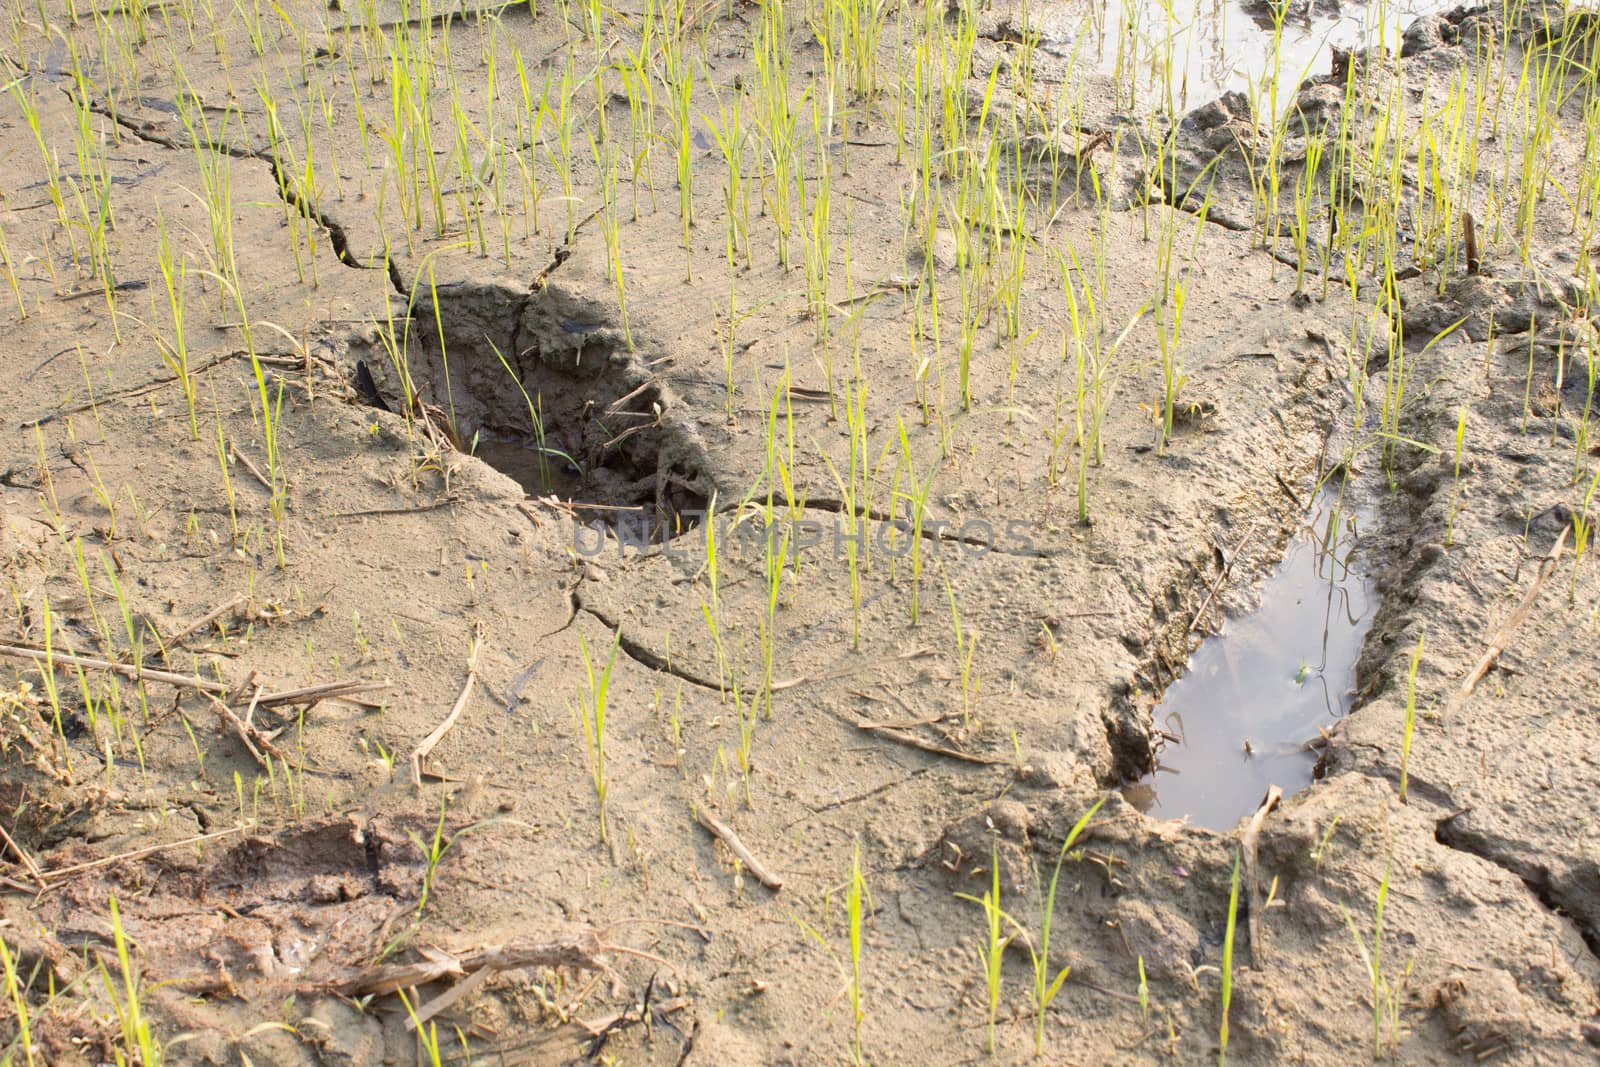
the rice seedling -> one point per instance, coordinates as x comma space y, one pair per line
592, 710
1097, 368
22, 95
536, 421
297, 221
974, 306
1455, 482
138, 1041
818, 238
1046, 987
91, 188
433, 850
858, 905
731, 136
991, 954
1583, 433
853, 489
1227, 963
773, 564
530, 121
711, 609
1014, 225
1305, 199
862, 22
678, 84
966, 646
1541, 94
227, 484
175, 352
12, 281
1411, 714
857, 901
47, 675
427, 1033
1386, 992
777, 118
473, 182
1397, 376
606, 163
250, 13
97, 485
19, 1005
745, 713
1169, 320
915, 499
1582, 529
270, 411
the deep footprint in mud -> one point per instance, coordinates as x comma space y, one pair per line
1256, 693
541, 386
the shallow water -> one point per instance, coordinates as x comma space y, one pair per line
1218, 47
1256, 692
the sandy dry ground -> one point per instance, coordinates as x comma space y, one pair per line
889, 735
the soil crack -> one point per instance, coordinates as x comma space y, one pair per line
337, 238
936, 534
1534, 875
570, 595
309, 211
639, 653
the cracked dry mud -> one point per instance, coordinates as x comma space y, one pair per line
874, 736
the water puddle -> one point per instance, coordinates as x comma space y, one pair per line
1255, 693
1218, 46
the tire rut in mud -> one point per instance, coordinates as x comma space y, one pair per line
1411, 546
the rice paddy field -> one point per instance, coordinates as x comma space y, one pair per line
799, 532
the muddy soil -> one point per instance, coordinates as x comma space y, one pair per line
445, 462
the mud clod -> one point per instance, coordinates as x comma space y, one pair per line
1169, 944
971, 847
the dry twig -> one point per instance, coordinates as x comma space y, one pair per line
209, 617
1502, 636
427, 744
581, 951
23, 857
341, 691
913, 741
724, 833
1227, 566
254, 741
127, 670
138, 853
307, 695
255, 472
1258, 951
